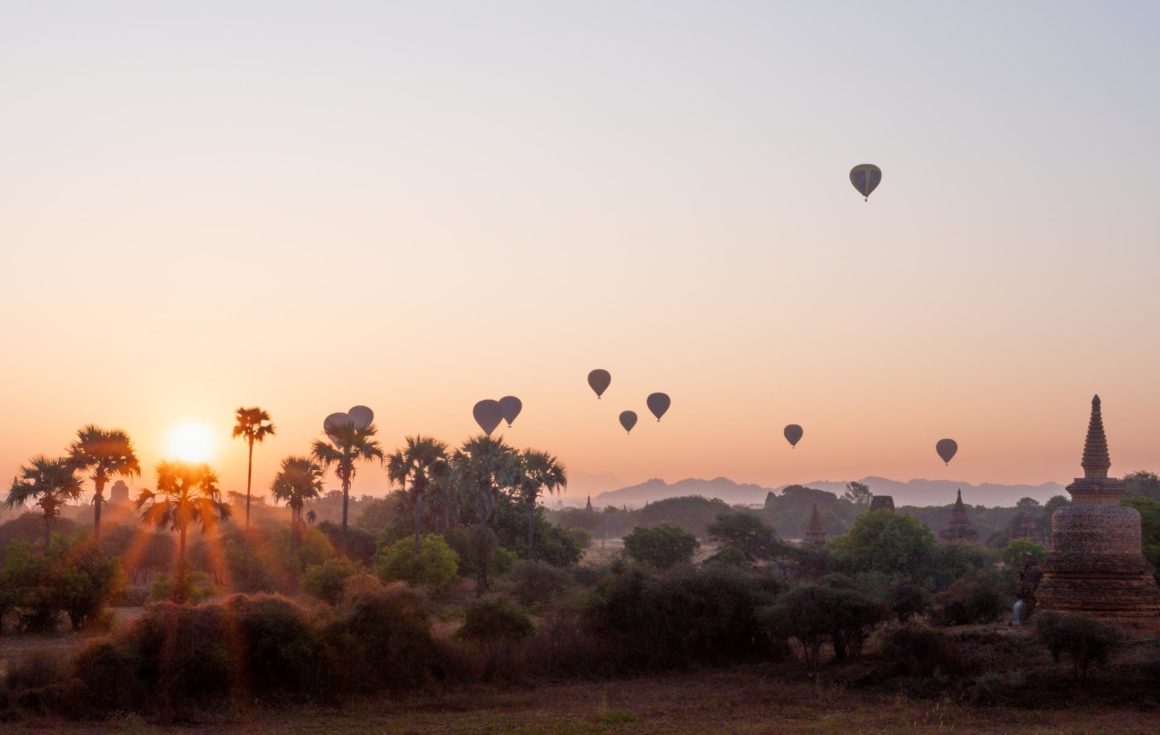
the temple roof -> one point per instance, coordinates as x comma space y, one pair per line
1096, 461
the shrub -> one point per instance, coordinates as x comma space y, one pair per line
361, 585
535, 582
815, 613
906, 600
327, 580
890, 543
1083, 640
923, 651
495, 619
968, 601
951, 562
662, 547
198, 588
383, 641
436, 566
1018, 549
281, 655
746, 533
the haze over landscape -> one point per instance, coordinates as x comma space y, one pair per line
414, 207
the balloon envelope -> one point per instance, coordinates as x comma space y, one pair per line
336, 421
946, 449
793, 434
628, 420
361, 416
487, 414
599, 380
658, 403
511, 407
865, 177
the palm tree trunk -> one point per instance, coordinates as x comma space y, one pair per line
249, 479
346, 462
418, 522
98, 501
531, 526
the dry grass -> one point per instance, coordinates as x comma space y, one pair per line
744, 700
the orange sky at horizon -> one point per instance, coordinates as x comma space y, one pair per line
414, 208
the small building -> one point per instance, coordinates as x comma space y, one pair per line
960, 528
882, 502
119, 493
815, 533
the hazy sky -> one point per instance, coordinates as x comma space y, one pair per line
304, 206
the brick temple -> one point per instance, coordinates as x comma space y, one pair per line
960, 528
815, 532
1096, 567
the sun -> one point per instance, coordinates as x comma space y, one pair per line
191, 442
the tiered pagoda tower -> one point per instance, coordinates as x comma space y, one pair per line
960, 528
1096, 567
816, 532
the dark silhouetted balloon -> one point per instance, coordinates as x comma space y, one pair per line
946, 449
865, 177
487, 414
628, 420
793, 434
658, 403
599, 380
511, 407
361, 416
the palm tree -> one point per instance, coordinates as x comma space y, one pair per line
482, 467
350, 445
107, 454
254, 425
539, 471
299, 480
52, 482
424, 462
186, 493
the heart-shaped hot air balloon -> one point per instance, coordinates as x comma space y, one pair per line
628, 420
361, 416
488, 414
658, 403
865, 177
946, 449
599, 380
793, 434
511, 407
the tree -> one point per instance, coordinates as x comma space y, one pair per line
1149, 511
351, 444
1027, 503
423, 463
858, 493
663, 546
538, 471
299, 480
186, 493
481, 468
1146, 484
107, 454
747, 534
436, 565
252, 424
47, 483
891, 543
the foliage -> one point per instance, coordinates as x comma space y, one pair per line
553, 545
75, 579
1084, 640
383, 641
891, 543
198, 587
815, 613
493, 619
906, 600
360, 545
535, 582
924, 651
46, 483
424, 464
436, 565
1142, 484
858, 493
952, 561
662, 547
1149, 510
106, 454
746, 533
968, 601
1018, 549
691, 513
351, 444
476, 545
298, 481
689, 616
327, 580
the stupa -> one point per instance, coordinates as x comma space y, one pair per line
815, 532
1096, 568
882, 502
960, 528
119, 493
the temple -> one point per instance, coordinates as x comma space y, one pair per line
1026, 528
815, 532
1096, 567
960, 528
882, 502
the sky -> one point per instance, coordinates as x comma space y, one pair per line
415, 206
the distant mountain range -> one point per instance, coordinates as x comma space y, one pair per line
912, 492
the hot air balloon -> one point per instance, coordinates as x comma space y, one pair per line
865, 177
946, 449
628, 420
599, 380
488, 414
658, 403
511, 407
793, 434
361, 416
336, 422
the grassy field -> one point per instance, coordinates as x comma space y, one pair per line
741, 700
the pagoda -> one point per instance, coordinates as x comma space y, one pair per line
960, 528
1096, 567
816, 532
882, 502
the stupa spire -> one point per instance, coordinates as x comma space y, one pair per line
1096, 461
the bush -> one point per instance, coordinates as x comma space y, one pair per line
951, 562
968, 601
923, 651
707, 615
198, 588
662, 547
815, 613
535, 582
495, 619
327, 580
281, 654
1017, 550
383, 641
1083, 640
361, 585
436, 566
890, 543
906, 600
